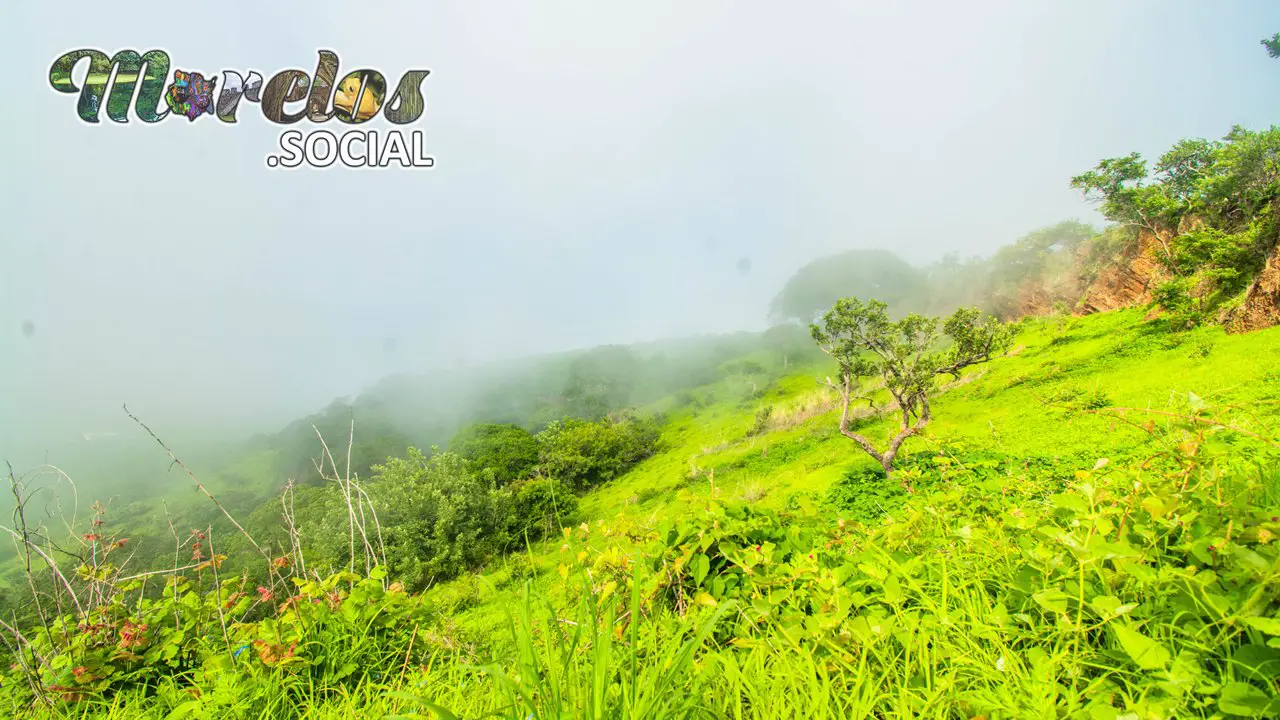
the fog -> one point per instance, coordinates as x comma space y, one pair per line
603, 175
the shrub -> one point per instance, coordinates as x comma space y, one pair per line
585, 454
1095, 399
439, 518
761, 424
1064, 394
540, 507
509, 451
1202, 347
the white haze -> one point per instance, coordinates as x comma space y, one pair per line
601, 172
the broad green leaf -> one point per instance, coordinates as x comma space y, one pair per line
1244, 699
1156, 507
1257, 662
1070, 501
717, 586
892, 589
1147, 653
699, 567
1270, 626
1109, 606
1052, 600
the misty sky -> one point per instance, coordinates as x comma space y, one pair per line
601, 172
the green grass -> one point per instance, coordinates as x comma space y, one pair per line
1141, 588
998, 408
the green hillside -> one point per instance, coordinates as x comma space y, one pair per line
1019, 412
1085, 529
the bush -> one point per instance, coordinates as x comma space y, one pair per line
1095, 400
1202, 347
585, 454
540, 507
1078, 398
761, 424
509, 451
439, 518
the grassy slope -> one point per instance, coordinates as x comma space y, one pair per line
994, 411
995, 408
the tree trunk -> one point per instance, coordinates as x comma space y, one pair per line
907, 429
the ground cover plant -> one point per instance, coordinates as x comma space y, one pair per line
1071, 547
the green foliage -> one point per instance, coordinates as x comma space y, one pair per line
1175, 297
439, 517
744, 367
760, 424
541, 506
584, 454
1048, 257
231, 640
865, 273
299, 449
716, 554
902, 354
508, 451
1127, 591
1095, 399
1226, 259
1121, 186
863, 495
1272, 45
1202, 347
600, 381
1047, 564
1211, 207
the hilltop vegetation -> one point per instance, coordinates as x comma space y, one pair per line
1191, 237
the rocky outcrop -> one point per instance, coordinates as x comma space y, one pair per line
1129, 280
1261, 305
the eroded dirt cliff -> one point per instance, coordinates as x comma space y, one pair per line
1129, 280
1261, 306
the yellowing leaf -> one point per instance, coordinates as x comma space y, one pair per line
1155, 506
608, 589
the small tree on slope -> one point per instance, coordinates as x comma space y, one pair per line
867, 344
